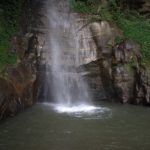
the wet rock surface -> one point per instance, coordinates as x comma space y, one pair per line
18, 84
123, 76
16, 92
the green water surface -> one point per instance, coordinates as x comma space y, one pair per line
41, 128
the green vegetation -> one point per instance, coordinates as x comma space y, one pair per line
84, 7
137, 28
10, 11
133, 25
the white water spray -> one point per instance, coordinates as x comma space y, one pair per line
70, 91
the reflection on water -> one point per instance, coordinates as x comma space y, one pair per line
117, 127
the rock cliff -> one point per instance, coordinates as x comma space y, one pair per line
18, 84
123, 77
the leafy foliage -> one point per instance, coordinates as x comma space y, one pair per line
83, 6
138, 29
133, 25
10, 11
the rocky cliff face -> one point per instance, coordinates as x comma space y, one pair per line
112, 67
18, 85
123, 77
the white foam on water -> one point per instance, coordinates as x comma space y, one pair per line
77, 109
74, 109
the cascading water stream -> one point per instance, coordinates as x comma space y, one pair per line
70, 91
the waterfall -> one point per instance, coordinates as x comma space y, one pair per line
69, 88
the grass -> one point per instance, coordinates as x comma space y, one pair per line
134, 26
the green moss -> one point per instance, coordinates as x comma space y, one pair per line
92, 8
83, 7
106, 15
10, 11
7, 57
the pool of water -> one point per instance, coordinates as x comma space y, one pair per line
107, 127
